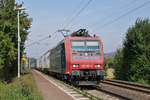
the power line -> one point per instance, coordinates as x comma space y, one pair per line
37, 42
112, 14
125, 14
69, 18
53, 34
42, 39
78, 13
70, 21
130, 3
75, 10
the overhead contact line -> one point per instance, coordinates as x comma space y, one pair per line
125, 14
78, 13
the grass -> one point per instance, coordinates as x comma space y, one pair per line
23, 89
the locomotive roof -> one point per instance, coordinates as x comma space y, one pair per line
80, 33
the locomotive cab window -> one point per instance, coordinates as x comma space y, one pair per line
77, 45
85, 48
92, 45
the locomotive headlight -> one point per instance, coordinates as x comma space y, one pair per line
97, 65
75, 65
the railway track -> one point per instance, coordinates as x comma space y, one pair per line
125, 90
120, 90
130, 85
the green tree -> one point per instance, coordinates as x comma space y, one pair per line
118, 65
108, 62
7, 56
135, 60
8, 31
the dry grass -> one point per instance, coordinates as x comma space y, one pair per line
110, 73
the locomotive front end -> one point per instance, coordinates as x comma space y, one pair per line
86, 60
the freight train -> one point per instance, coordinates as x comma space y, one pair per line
78, 59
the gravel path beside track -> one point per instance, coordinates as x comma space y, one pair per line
53, 90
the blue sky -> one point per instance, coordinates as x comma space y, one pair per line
50, 15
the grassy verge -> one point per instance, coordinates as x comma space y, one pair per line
25, 89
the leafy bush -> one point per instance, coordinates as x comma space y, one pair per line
133, 62
109, 62
119, 73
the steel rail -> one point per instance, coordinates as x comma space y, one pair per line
128, 85
98, 88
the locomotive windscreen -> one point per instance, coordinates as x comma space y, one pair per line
78, 45
85, 48
92, 45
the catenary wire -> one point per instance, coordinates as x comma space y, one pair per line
75, 10
68, 19
78, 13
71, 19
112, 14
123, 15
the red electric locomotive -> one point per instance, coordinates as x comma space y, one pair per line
85, 57
79, 59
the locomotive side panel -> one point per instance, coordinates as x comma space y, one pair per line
63, 59
57, 59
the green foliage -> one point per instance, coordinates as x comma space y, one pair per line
9, 37
108, 63
7, 55
25, 89
134, 65
118, 65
